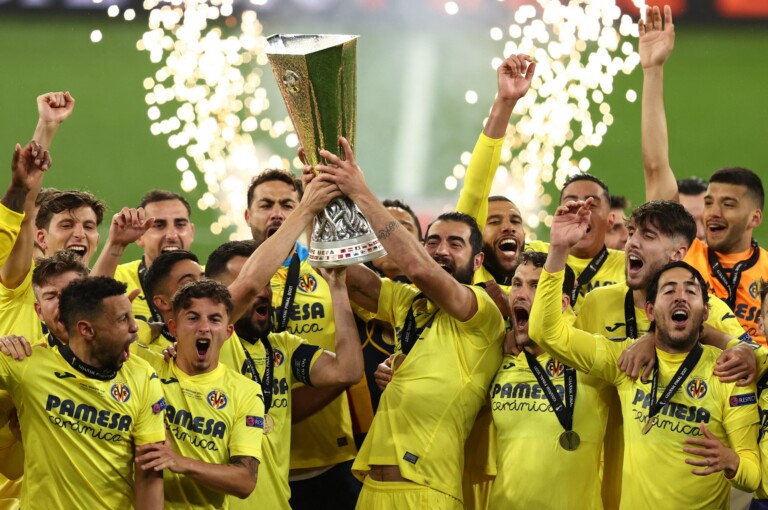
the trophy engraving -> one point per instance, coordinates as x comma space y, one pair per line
316, 77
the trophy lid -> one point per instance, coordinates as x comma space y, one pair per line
304, 44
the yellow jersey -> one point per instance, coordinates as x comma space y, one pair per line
612, 271
747, 305
602, 313
729, 412
292, 361
81, 431
211, 417
128, 273
428, 409
527, 428
17, 310
325, 438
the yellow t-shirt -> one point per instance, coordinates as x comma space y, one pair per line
128, 273
602, 313
528, 435
211, 417
729, 412
80, 432
612, 270
325, 438
747, 308
17, 310
293, 359
428, 409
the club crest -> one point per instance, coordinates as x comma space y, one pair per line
120, 392
308, 283
278, 357
696, 389
555, 368
217, 399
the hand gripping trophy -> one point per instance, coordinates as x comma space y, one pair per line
316, 75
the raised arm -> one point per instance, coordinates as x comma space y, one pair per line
442, 288
17, 228
266, 260
547, 328
364, 287
345, 367
655, 45
514, 80
127, 226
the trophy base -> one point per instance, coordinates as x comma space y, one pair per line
342, 253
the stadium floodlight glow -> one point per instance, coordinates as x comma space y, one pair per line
207, 98
579, 47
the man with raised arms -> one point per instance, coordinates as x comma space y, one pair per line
451, 331
87, 405
684, 416
549, 418
731, 261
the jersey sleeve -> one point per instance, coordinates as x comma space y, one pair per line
150, 419
248, 429
394, 300
10, 372
722, 318
473, 199
487, 323
10, 224
592, 354
303, 358
741, 421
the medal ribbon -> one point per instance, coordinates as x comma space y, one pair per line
629, 315
269, 371
410, 333
732, 284
586, 276
289, 294
677, 380
563, 410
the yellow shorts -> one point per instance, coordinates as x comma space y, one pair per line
403, 495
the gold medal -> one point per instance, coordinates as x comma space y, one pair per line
649, 424
569, 440
269, 424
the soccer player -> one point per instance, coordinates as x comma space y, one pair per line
86, 404
323, 445
760, 502
684, 416
498, 217
215, 415
170, 230
616, 237
451, 331
730, 261
278, 360
550, 419
691, 192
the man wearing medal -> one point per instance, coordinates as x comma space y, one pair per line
676, 426
544, 412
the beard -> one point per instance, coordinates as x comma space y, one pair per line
245, 328
493, 265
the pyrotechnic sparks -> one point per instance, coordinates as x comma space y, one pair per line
207, 98
579, 48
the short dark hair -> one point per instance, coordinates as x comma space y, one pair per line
741, 177
398, 204
275, 174
161, 195
585, 177
668, 217
83, 298
45, 194
201, 289
538, 259
653, 285
618, 202
500, 198
220, 257
475, 236
68, 200
691, 186
160, 269
61, 262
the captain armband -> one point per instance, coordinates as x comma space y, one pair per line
301, 362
